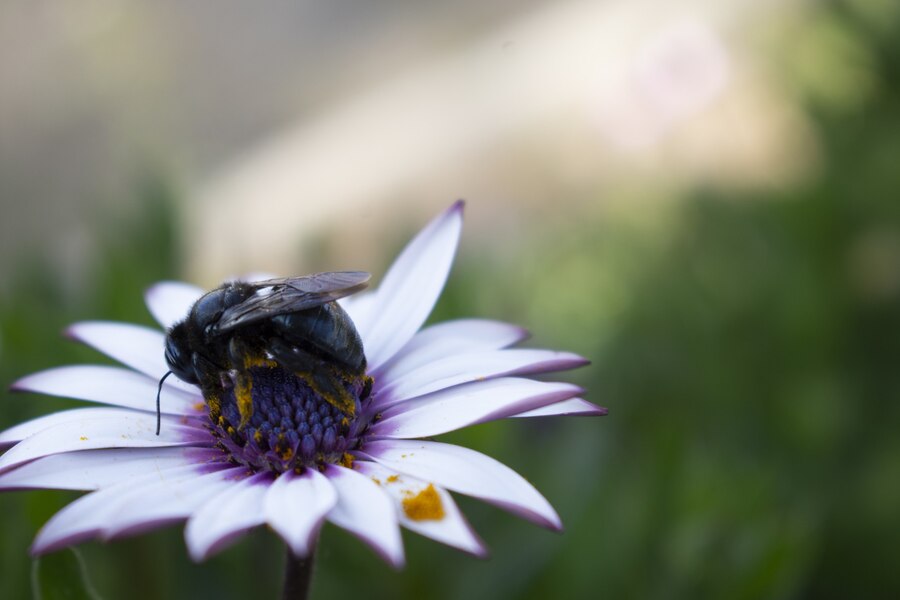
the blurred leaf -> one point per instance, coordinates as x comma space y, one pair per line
61, 576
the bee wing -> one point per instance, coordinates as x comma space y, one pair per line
275, 297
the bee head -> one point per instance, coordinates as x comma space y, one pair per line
178, 354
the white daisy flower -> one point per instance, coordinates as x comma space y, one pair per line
298, 461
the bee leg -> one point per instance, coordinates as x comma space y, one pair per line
242, 358
317, 373
210, 383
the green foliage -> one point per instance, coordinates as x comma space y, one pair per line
61, 576
748, 352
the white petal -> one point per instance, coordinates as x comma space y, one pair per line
467, 472
449, 528
359, 307
450, 338
473, 366
99, 511
572, 407
365, 510
19, 432
109, 385
411, 287
468, 404
135, 346
296, 505
114, 428
226, 516
169, 499
94, 469
170, 301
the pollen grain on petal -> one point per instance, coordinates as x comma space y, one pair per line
425, 505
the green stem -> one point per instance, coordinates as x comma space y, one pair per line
297, 576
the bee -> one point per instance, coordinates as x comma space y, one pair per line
293, 323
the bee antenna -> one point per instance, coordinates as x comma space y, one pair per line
158, 392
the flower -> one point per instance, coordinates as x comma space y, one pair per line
222, 482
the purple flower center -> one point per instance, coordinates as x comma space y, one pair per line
291, 426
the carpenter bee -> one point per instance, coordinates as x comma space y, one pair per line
293, 323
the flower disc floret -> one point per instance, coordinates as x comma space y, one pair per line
292, 426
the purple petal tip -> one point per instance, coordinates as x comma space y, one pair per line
16, 387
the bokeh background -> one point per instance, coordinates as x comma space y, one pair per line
702, 197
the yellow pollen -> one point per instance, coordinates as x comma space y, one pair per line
83, 438
214, 407
344, 402
393, 478
199, 406
424, 506
244, 398
259, 361
376, 480
347, 460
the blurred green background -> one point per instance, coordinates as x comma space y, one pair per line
732, 270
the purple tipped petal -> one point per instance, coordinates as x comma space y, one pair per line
296, 505
141, 348
473, 366
226, 516
574, 407
365, 510
17, 433
468, 404
445, 524
169, 499
151, 501
411, 287
109, 385
103, 428
138, 347
445, 340
170, 301
93, 469
467, 472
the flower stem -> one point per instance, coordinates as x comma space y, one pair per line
297, 576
